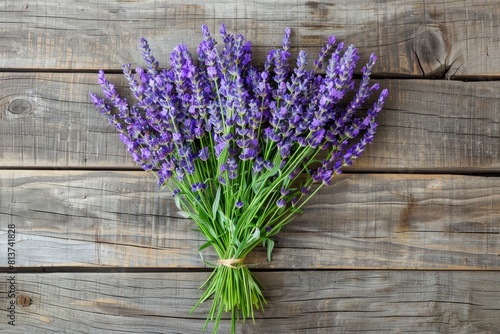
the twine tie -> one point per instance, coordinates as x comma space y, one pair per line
230, 263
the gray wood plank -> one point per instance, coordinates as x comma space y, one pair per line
48, 121
298, 302
438, 39
436, 125
118, 219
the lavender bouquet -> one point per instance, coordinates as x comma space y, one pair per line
239, 147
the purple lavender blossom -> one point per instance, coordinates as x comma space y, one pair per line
193, 114
198, 186
258, 165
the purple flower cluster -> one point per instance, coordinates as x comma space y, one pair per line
221, 114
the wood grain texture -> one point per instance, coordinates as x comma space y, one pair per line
436, 125
47, 120
372, 221
412, 38
298, 302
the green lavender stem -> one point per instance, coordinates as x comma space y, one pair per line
233, 289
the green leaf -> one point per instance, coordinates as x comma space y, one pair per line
269, 244
184, 214
215, 205
255, 236
202, 247
259, 182
177, 202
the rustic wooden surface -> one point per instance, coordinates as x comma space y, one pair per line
369, 221
298, 302
412, 37
408, 240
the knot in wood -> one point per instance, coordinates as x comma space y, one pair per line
430, 50
454, 320
23, 300
20, 107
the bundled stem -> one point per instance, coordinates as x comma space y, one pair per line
233, 289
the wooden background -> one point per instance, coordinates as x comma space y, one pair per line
407, 240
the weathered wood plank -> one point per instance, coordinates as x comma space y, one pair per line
437, 125
298, 302
118, 219
47, 121
432, 38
